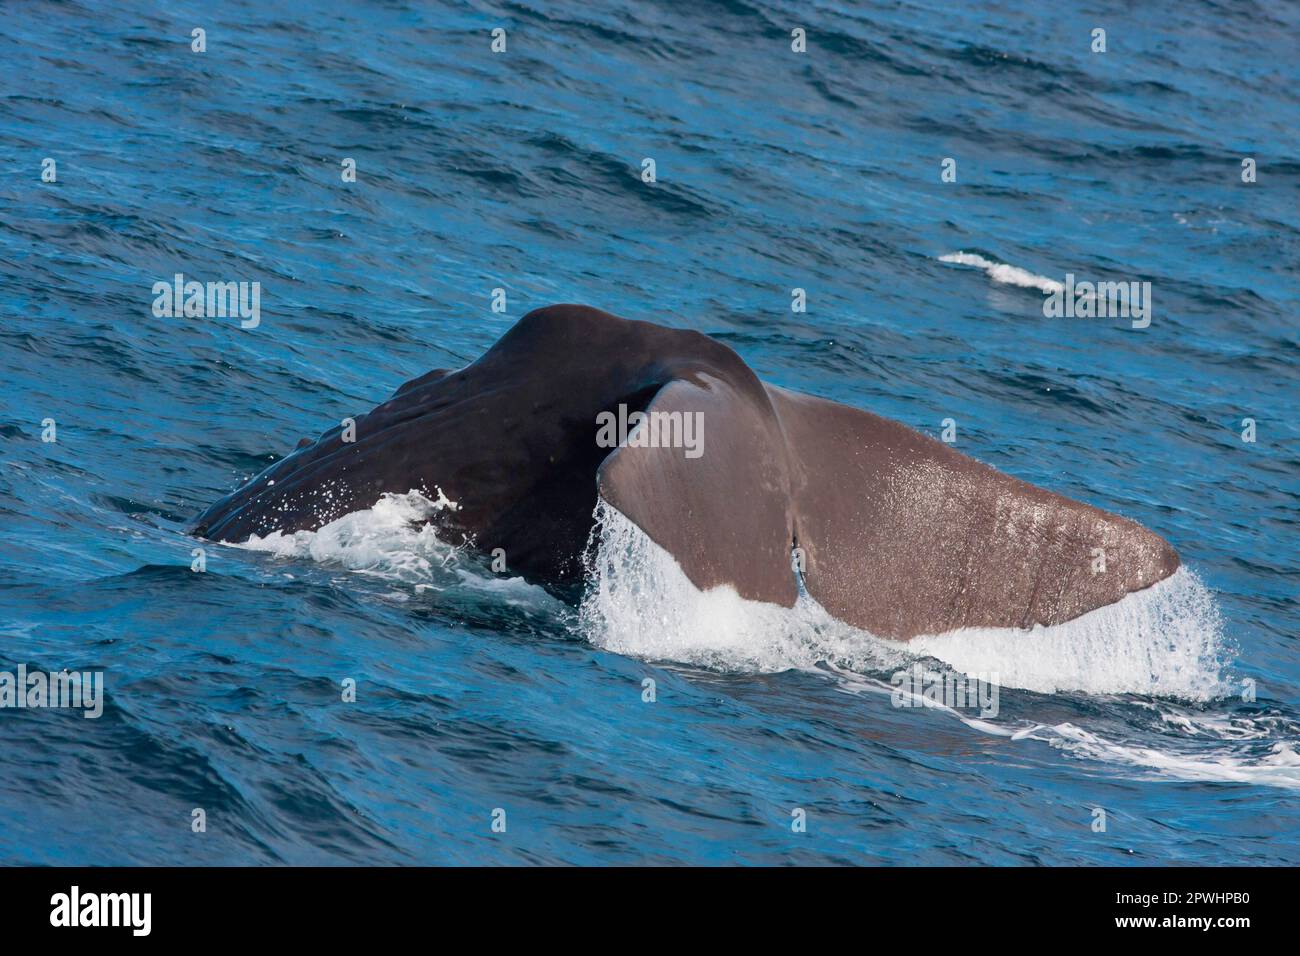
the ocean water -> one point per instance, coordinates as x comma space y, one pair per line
478, 693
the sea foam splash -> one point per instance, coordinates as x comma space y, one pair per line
640, 603
1165, 641
1006, 274
395, 541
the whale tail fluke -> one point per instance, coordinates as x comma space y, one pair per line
895, 532
741, 482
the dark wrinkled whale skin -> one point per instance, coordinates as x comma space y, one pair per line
898, 533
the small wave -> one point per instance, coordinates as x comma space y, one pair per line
1004, 273
1165, 641
1215, 748
1274, 764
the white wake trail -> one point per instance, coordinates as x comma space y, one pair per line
1004, 273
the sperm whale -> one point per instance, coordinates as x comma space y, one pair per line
745, 484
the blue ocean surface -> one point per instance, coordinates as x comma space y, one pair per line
1163, 730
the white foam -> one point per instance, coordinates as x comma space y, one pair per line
395, 541
1279, 766
639, 602
1165, 641
1226, 757
392, 540
1006, 274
